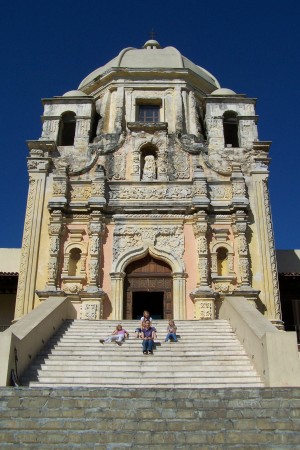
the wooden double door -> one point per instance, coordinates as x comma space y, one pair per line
148, 285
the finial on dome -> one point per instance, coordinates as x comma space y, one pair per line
152, 43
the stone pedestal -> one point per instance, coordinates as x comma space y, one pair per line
251, 295
204, 300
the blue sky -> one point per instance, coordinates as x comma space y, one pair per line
47, 48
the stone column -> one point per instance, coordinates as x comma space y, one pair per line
117, 288
119, 105
265, 240
38, 169
203, 297
194, 125
179, 110
55, 229
95, 250
97, 199
179, 306
162, 164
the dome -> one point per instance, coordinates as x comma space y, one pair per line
223, 91
151, 56
75, 93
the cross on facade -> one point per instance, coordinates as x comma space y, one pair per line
152, 34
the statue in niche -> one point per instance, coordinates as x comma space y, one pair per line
149, 170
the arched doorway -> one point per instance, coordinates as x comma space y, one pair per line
148, 285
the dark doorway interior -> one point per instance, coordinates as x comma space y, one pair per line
150, 301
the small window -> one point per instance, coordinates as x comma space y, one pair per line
67, 129
148, 113
230, 125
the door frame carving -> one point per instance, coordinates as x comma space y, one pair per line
178, 274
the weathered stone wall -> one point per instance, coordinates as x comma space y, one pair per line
88, 418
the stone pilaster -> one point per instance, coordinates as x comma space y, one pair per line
97, 199
117, 282
179, 308
203, 297
55, 229
38, 166
95, 250
179, 110
200, 198
265, 239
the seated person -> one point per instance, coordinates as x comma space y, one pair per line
171, 330
146, 316
118, 335
148, 337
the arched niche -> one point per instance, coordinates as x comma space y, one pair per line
148, 162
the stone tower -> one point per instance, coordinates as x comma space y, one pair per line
148, 190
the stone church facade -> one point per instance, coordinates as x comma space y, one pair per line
148, 189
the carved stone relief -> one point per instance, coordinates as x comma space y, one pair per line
151, 192
116, 166
91, 310
220, 192
80, 191
167, 238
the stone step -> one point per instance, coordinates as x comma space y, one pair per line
138, 358
145, 380
144, 374
148, 363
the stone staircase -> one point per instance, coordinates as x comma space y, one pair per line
207, 355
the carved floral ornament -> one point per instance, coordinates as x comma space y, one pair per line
155, 192
167, 238
81, 192
220, 192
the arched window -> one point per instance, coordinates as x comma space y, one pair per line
74, 262
230, 126
67, 129
222, 261
148, 163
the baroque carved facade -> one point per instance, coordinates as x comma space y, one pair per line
150, 157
